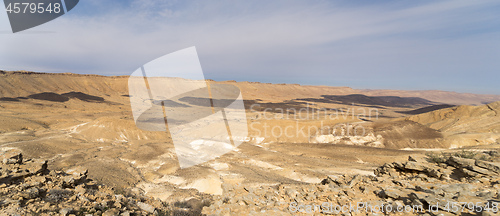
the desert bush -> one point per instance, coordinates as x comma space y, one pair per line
438, 157
58, 195
444, 156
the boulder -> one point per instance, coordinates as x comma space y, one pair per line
146, 207
460, 162
30, 193
11, 157
393, 193
491, 166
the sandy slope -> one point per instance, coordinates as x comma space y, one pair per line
21, 84
86, 121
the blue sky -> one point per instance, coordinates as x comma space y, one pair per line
413, 45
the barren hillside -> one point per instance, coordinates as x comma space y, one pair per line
23, 84
86, 121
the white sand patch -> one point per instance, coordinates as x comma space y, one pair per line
367, 140
363, 172
129, 161
198, 144
301, 177
241, 139
124, 138
262, 164
210, 184
176, 180
257, 140
423, 149
74, 129
232, 178
342, 171
359, 161
219, 166
151, 165
5, 149
155, 190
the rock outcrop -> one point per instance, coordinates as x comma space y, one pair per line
28, 187
455, 184
451, 186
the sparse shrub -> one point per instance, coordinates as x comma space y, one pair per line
82, 211
164, 213
437, 157
180, 204
191, 207
185, 213
466, 154
443, 156
58, 195
123, 191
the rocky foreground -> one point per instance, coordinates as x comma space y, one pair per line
27, 187
454, 184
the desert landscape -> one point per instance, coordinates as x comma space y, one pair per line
69, 145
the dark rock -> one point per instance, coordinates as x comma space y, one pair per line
354, 181
30, 193
11, 157
393, 193
469, 173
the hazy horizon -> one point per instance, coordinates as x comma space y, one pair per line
276, 83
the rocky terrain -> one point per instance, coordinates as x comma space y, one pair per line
69, 123
453, 183
460, 183
28, 187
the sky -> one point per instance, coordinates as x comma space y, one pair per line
451, 45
